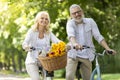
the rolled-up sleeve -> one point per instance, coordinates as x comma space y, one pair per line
27, 39
96, 32
54, 39
70, 29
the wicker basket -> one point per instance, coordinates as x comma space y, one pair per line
55, 63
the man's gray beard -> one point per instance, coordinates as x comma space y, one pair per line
79, 20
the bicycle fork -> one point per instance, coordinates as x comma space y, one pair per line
45, 75
49, 75
96, 71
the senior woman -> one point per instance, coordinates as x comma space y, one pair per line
38, 35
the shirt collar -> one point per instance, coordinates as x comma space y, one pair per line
83, 21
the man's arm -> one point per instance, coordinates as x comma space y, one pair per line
74, 43
105, 45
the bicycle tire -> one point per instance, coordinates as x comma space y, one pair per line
96, 71
41, 73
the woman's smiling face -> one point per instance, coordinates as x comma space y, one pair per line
43, 20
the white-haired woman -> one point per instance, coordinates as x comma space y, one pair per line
37, 36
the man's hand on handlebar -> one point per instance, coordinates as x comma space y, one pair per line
110, 51
77, 47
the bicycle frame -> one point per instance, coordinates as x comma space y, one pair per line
44, 75
96, 71
97, 68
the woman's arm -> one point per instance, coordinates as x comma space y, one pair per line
26, 42
53, 38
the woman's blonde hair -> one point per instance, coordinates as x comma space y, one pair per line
39, 14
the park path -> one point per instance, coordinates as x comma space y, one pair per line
12, 77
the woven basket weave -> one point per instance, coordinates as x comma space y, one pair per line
55, 63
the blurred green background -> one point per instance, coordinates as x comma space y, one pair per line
17, 16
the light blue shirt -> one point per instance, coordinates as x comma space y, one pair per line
84, 34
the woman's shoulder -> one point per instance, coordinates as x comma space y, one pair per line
49, 32
31, 31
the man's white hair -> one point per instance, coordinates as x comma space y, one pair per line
73, 6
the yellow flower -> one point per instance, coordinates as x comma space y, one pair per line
57, 49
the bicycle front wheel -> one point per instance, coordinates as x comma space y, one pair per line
42, 73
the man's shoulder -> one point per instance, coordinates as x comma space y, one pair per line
70, 22
87, 19
84, 19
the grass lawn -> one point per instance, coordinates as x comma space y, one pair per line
111, 76
114, 76
104, 77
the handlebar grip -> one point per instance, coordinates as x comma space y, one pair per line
74, 47
23, 49
32, 48
110, 52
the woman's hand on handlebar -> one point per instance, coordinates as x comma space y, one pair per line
28, 49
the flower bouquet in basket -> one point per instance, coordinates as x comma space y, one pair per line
56, 57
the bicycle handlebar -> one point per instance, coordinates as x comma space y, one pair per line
36, 48
84, 47
102, 54
33, 49
87, 47
110, 52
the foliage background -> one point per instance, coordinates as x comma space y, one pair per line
17, 16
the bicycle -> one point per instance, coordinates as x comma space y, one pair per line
69, 47
96, 70
44, 75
